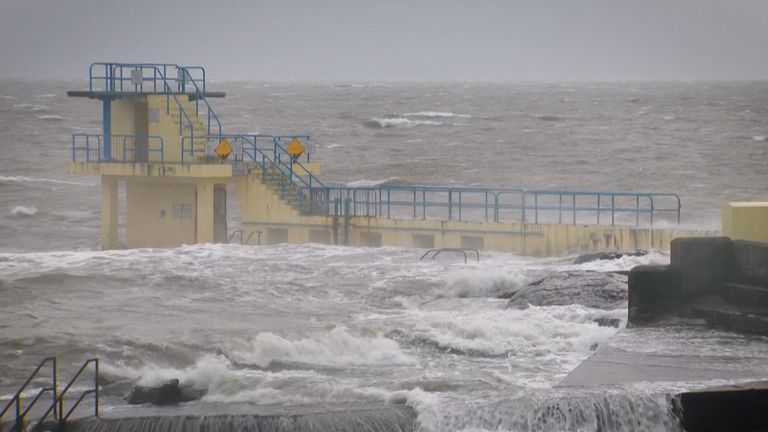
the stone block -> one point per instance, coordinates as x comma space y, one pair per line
653, 290
704, 262
750, 262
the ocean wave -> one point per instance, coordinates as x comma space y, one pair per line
23, 211
7, 97
332, 349
759, 138
624, 263
570, 332
481, 283
51, 117
223, 382
399, 122
432, 114
23, 179
31, 107
333, 146
47, 95
374, 183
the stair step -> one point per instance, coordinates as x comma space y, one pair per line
745, 294
754, 320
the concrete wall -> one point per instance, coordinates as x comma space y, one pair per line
160, 214
746, 221
263, 210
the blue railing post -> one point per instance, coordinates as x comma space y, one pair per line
107, 127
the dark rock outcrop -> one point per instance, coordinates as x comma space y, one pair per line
600, 256
170, 393
591, 289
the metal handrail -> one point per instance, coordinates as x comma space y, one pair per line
201, 95
248, 239
378, 201
125, 138
94, 391
17, 400
111, 78
437, 252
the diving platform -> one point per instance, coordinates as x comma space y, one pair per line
163, 141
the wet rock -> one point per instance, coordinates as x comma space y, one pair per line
601, 256
608, 322
591, 289
170, 393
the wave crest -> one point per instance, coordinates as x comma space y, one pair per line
335, 348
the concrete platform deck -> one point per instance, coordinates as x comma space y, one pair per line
671, 353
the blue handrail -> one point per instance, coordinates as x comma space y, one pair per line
130, 148
458, 203
200, 95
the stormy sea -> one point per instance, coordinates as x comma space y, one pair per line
331, 338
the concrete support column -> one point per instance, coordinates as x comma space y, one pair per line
204, 211
109, 212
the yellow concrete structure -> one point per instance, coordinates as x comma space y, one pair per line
156, 147
746, 221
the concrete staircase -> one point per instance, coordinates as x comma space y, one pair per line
288, 191
735, 306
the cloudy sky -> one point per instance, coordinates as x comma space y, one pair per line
500, 40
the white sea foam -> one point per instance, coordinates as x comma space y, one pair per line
47, 95
333, 146
335, 348
31, 107
51, 117
370, 183
400, 122
624, 263
23, 211
436, 114
23, 179
565, 332
481, 283
7, 97
759, 138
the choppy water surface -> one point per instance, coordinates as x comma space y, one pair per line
287, 328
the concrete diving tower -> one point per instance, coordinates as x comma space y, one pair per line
162, 139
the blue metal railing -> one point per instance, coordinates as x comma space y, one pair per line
126, 78
125, 148
200, 95
497, 205
137, 75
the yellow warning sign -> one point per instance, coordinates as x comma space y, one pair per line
295, 148
223, 149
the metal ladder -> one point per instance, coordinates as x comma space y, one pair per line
57, 400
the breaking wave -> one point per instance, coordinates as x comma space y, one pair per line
374, 183
399, 122
23, 179
31, 107
432, 114
51, 117
22, 211
332, 349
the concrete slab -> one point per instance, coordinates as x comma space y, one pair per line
676, 353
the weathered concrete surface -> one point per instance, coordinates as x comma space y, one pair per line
704, 262
385, 418
734, 408
655, 289
751, 262
677, 353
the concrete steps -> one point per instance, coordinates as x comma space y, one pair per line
745, 294
735, 306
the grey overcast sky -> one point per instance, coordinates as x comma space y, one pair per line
500, 40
